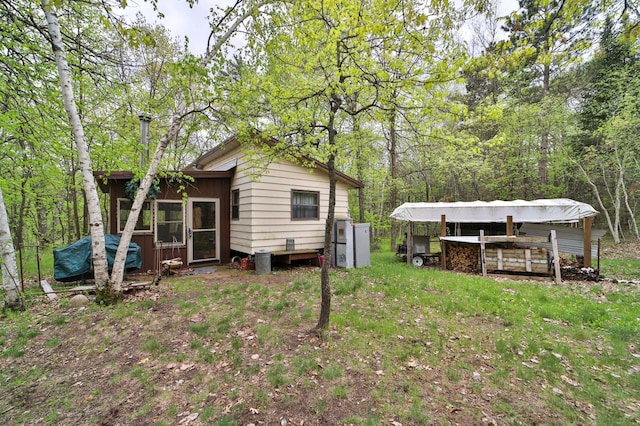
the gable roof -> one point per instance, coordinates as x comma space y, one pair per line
536, 211
233, 143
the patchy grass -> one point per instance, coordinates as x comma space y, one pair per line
620, 261
626, 269
410, 345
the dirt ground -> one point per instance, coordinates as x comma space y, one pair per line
620, 251
80, 356
86, 366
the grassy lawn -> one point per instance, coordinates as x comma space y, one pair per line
406, 345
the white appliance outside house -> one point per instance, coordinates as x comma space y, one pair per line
351, 244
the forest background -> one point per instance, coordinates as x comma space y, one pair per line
424, 100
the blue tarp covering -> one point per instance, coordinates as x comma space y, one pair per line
73, 263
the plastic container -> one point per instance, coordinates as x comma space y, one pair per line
246, 264
291, 244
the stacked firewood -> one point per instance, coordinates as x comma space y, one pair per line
463, 258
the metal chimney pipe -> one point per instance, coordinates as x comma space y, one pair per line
145, 119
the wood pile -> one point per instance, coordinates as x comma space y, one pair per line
171, 265
463, 258
533, 260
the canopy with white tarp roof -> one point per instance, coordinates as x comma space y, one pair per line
536, 211
517, 211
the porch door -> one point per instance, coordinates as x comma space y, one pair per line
202, 233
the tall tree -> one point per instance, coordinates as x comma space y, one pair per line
99, 257
315, 55
604, 150
109, 288
10, 280
29, 133
545, 37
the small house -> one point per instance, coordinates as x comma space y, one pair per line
221, 206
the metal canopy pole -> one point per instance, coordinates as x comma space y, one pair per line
443, 244
587, 224
410, 242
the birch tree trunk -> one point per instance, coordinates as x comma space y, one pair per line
109, 290
625, 195
596, 192
10, 284
117, 274
99, 255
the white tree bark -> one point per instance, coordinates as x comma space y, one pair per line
95, 216
99, 256
10, 280
117, 274
596, 192
633, 225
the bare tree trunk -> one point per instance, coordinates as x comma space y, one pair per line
10, 279
360, 160
96, 225
117, 274
22, 214
617, 202
543, 158
596, 192
380, 202
393, 164
359, 172
633, 225
325, 285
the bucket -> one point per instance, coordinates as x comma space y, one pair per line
263, 262
321, 257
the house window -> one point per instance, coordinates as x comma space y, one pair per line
235, 204
170, 223
305, 205
143, 224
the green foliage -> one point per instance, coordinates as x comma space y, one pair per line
131, 188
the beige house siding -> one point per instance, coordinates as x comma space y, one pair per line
265, 205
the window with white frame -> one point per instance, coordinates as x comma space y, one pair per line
170, 223
143, 225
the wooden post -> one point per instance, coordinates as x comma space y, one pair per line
587, 223
483, 258
410, 242
509, 226
556, 256
443, 244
